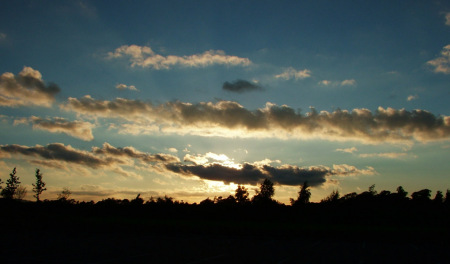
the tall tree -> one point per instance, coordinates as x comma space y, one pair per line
303, 195
39, 187
265, 192
11, 185
241, 194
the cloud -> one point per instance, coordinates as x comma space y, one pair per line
122, 86
412, 97
130, 152
77, 129
349, 82
248, 173
26, 88
291, 73
58, 155
447, 19
230, 119
145, 57
388, 155
2, 36
241, 86
58, 152
442, 63
173, 150
348, 150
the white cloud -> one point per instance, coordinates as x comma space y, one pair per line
442, 63
387, 155
122, 86
412, 97
349, 82
325, 82
145, 57
291, 73
173, 150
348, 150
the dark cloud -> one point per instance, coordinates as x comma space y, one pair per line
60, 152
131, 152
224, 117
248, 174
106, 157
241, 86
26, 88
252, 174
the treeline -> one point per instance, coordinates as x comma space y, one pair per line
264, 196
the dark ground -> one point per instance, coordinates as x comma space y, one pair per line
88, 234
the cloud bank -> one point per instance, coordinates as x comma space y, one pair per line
26, 88
145, 57
241, 86
253, 174
230, 119
58, 155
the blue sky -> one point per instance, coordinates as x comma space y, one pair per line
190, 98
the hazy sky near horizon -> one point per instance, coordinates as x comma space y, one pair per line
190, 98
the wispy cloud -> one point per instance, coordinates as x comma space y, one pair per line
230, 119
412, 97
347, 150
447, 19
442, 64
349, 82
2, 36
77, 129
291, 73
122, 86
144, 56
241, 86
26, 88
387, 155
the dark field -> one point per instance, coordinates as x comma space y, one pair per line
89, 233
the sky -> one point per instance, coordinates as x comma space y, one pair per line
189, 99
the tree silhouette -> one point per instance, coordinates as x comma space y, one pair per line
11, 185
241, 194
422, 195
439, 198
333, 197
39, 187
20, 193
138, 200
64, 195
447, 197
265, 192
401, 192
303, 195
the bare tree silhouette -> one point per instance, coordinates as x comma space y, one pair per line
39, 186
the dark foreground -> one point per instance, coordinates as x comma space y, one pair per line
67, 233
